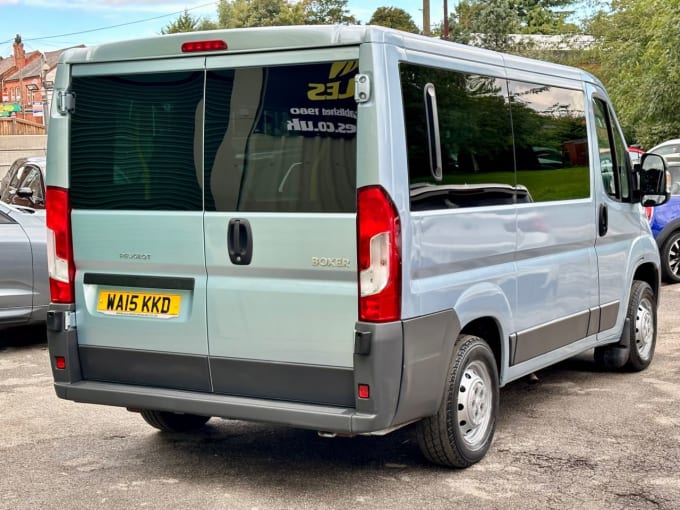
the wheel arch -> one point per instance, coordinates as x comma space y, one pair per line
649, 272
425, 373
489, 330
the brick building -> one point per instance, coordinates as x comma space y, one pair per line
26, 81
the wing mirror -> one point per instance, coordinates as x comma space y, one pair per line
24, 193
654, 180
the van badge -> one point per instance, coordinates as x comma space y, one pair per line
135, 256
330, 262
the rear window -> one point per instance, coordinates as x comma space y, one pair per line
268, 139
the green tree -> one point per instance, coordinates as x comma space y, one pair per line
485, 23
257, 13
548, 17
639, 52
393, 17
491, 21
327, 12
185, 22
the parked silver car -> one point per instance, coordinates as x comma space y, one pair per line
24, 287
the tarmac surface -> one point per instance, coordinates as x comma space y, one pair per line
576, 439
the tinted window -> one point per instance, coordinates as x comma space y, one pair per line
495, 151
281, 139
133, 142
475, 135
551, 141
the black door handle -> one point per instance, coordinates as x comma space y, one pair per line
240, 241
603, 221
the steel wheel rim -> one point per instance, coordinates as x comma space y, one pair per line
475, 404
674, 258
644, 329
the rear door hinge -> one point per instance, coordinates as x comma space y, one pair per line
66, 101
362, 88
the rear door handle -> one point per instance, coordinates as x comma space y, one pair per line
240, 241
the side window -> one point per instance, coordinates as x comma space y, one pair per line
612, 150
475, 136
5, 220
18, 176
551, 141
33, 180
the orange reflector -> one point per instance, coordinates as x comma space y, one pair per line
364, 391
194, 46
60, 362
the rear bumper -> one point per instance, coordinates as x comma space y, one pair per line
324, 418
404, 363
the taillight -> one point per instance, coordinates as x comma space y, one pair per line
59, 246
379, 256
649, 212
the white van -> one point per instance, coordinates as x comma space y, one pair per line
344, 229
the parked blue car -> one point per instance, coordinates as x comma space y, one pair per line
665, 223
665, 220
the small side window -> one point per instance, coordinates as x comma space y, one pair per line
613, 160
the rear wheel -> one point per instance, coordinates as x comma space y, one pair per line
670, 258
173, 422
461, 432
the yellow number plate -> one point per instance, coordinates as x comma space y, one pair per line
137, 303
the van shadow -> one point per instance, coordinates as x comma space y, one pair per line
279, 459
520, 397
23, 336
272, 456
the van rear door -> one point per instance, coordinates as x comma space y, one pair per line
280, 222
137, 222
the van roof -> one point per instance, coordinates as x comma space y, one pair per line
259, 39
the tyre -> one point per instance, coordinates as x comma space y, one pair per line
670, 259
173, 422
461, 432
642, 325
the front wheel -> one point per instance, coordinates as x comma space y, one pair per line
641, 322
173, 422
670, 259
461, 432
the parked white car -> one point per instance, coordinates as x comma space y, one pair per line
670, 150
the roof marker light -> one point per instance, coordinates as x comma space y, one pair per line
197, 46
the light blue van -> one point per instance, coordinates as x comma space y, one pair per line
344, 229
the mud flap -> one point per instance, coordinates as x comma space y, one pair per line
617, 355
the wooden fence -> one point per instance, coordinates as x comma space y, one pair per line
14, 126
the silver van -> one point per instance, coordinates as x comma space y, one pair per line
343, 229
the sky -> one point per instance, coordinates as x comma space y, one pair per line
48, 25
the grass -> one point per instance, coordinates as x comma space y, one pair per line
544, 185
